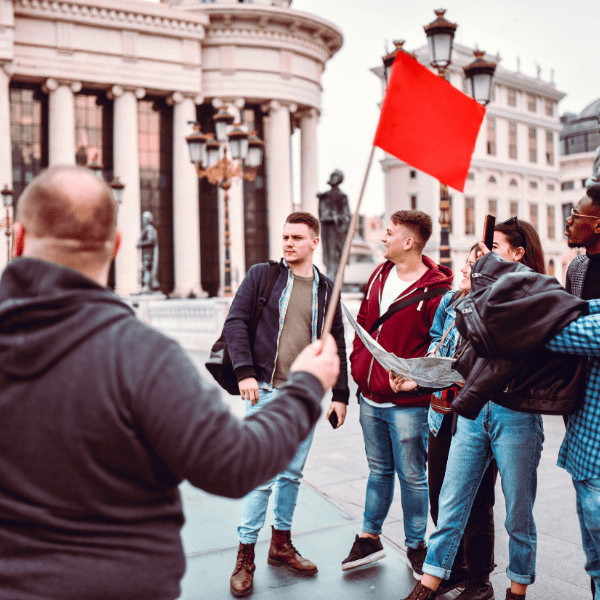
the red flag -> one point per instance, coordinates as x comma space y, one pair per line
428, 123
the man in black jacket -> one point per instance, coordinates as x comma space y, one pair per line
292, 317
102, 416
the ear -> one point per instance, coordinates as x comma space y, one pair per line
117, 243
315, 242
518, 253
18, 240
409, 243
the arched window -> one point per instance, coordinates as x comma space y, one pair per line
492, 179
514, 183
551, 267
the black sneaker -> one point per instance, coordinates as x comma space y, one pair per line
457, 580
364, 551
415, 559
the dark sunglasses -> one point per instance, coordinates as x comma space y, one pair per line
515, 221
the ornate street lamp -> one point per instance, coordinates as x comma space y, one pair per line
440, 38
480, 78
96, 167
7, 200
212, 162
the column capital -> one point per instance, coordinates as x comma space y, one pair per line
175, 98
51, 84
8, 68
116, 91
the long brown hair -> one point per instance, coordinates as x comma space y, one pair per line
521, 234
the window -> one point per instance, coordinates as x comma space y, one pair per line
551, 222
567, 185
511, 96
533, 215
493, 207
29, 135
549, 108
514, 183
491, 136
413, 174
512, 139
514, 208
531, 103
533, 185
551, 268
413, 202
583, 182
532, 144
550, 187
492, 180
469, 215
471, 175
549, 147
93, 131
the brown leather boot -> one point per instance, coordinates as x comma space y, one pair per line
240, 583
283, 554
511, 596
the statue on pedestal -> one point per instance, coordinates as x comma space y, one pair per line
335, 217
148, 243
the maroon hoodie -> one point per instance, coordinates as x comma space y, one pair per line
406, 333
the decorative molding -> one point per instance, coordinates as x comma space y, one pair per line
116, 91
51, 85
175, 98
129, 43
155, 18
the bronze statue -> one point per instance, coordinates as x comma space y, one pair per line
593, 182
148, 243
335, 217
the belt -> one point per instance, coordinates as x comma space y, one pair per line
442, 405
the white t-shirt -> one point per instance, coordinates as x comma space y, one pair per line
393, 287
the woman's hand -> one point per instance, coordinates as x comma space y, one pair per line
401, 384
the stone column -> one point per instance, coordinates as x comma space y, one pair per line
309, 173
186, 209
61, 121
127, 168
5, 153
279, 174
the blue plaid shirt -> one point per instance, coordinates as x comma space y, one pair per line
580, 450
283, 305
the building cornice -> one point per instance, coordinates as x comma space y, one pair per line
156, 19
252, 24
527, 118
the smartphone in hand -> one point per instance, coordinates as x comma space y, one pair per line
488, 231
333, 419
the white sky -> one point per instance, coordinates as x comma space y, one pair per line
556, 34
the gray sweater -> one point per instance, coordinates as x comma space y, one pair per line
102, 417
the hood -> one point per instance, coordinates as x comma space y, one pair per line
46, 311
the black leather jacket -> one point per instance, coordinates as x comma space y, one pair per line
505, 321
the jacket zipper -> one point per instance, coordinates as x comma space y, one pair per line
278, 336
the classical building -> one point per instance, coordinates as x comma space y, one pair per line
515, 169
118, 81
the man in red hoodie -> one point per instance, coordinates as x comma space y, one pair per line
395, 424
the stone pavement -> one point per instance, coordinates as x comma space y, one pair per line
329, 514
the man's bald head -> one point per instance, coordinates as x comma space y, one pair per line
68, 216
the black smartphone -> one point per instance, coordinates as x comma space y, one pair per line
333, 419
488, 231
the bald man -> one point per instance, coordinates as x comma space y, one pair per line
102, 417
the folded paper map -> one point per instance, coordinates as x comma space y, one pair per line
429, 371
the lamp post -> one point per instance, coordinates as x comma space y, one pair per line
479, 74
7, 200
118, 189
211, 157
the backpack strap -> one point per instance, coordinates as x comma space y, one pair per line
272, 275
439, 291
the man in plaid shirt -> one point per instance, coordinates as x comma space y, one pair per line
580, 450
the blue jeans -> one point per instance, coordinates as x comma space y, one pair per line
588, 510
287, 484
515, 440
396, 442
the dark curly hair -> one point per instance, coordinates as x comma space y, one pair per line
418, 222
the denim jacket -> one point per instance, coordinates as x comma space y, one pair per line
442, 321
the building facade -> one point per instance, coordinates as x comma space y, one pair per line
119, 81
515, 169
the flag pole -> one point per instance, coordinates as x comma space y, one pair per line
339, 279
